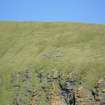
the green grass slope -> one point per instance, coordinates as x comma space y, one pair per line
50, 46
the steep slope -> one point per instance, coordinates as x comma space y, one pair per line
50, 46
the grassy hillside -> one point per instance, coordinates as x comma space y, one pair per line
50, 46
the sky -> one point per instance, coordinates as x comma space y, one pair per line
86, 11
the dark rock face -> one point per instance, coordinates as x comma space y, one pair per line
27, 88
21, 87
54, 84
99, 90
15, 80
40, 76
26, 75
67, 91
102, 102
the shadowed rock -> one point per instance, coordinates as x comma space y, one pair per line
102, 102
26, 75
27, 87
15, 79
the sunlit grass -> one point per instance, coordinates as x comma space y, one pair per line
51, 46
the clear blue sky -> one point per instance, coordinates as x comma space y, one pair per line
89, 11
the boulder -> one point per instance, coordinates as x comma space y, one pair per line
102, 102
